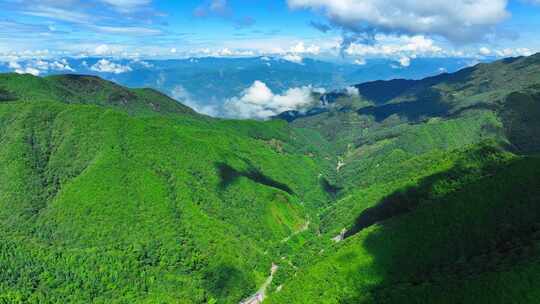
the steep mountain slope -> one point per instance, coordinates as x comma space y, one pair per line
439, 140
398, 119
466, 235
396, 141
101, 206
411, 192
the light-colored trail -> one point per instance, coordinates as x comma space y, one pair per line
302, 229
260, 295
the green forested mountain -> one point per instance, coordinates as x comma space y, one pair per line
86, 89
99, 205
412, 192
440, 192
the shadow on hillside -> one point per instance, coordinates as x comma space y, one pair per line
226, 281
230, 175
382, 91
428, 104
6, 95
478, 106
331, 189
455, 225
520, 117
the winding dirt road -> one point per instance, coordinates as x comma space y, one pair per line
260, 295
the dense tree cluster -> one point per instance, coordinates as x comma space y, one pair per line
424, 195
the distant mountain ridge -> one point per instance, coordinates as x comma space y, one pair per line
209, 82
73, 88
381, 93
438, 180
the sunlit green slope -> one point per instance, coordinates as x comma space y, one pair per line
89, 90
401, 137
97, 205
466, 235
439, 199
426, 194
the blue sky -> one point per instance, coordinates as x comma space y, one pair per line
351, 30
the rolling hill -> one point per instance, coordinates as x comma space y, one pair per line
87, 90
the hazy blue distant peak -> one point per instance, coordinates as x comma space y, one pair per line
208, 84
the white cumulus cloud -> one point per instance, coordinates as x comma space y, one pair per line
295, 58
102, 49
28, 70
484, 51
457, 20
352, 91
296, 52
14, 65
106, 50
55, 65
226, 52
17, 68
405, 61
259, 102
182, 95
396, 46
301, 48
360, 61
509, 52
39, 66
106, 66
